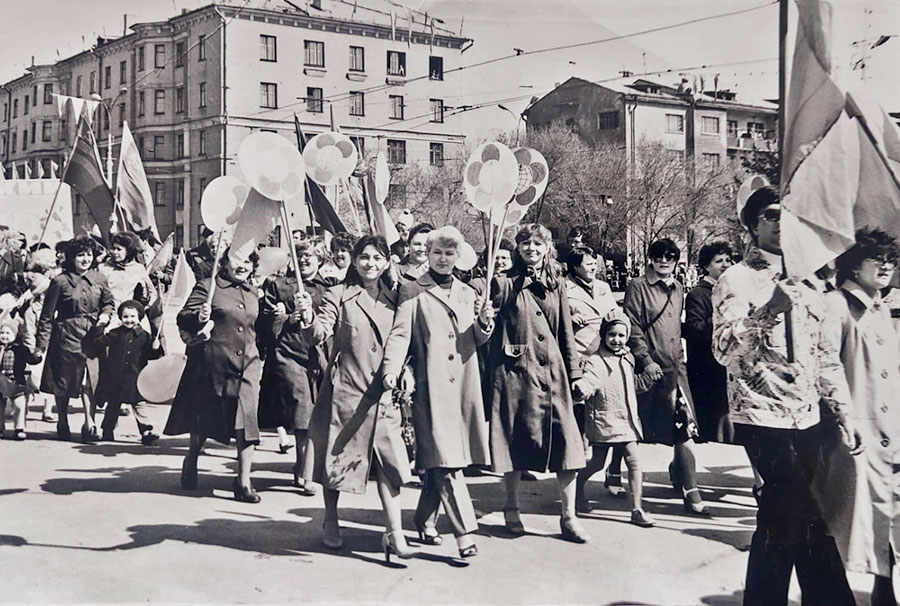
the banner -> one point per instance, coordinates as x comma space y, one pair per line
26, 205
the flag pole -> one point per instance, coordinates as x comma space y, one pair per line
59, 185
782, 114
286, 224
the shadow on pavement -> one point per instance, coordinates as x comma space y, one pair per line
147, 479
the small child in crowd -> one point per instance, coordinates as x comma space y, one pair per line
14, 356
611, 417
128, 348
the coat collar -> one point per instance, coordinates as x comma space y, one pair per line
222, 282
652, 278
856, 291
380, 311
577, 292
454, 302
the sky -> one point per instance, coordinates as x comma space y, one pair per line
742, 48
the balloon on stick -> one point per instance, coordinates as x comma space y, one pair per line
750, 185
272, 165
157, 382
491, 176
330, 157
533, 176
222, 201
467, 257
271, 260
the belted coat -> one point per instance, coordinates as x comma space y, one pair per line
438, 329
532, 361
221, 377
353, 416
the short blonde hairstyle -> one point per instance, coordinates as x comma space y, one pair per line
446, 237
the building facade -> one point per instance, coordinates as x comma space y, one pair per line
191, 88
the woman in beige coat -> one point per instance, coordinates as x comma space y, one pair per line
860, 495
354, 422
437, 327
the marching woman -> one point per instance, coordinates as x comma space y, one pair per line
77, 300
219, 389
534, 360
126, 275
293, 368
858, 495
354, 422
437, 327
415, 263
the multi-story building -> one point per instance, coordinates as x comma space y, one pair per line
710, 127
194, 86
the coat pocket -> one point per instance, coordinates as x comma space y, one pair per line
515, 355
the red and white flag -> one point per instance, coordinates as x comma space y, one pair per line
132, 190
841, 155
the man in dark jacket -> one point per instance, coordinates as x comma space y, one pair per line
202, 258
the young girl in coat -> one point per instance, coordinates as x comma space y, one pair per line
611, 416
127, 349
13, 358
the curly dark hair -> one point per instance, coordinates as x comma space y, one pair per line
870, 244
710, 251
342, 241
130, 242
381, 245
75, 247
576, 257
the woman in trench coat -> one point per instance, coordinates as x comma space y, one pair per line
533, 362
354, 422
219, 390
860, 495
437, 327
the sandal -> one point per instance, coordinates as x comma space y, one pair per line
428, 535
695, 508
513, 522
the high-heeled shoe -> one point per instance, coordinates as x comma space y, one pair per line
571, 530
513, 522
89, 435
395, 542
189, 473
613, 483
331, 534
694, 508
284, 448
306, 488
467, 547
63, 432
245, 494
428, 535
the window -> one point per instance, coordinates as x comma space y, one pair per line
674, 123
396, 151
757, 129
78, 86
179, 145
63, 131
179, 54
314, 100
93, 81
360, 143
608, 121
179, 193
267, 48
46, 130
141, 103
140, 144
203, 182
357, 104
396, 106
15, 109
105, 115
123, 72
159, 193
107, 76
732, 128
15, 136
396, 63
202, 143
159, 55
121, 114
48, 94
26, 105
159, 101
709, 125
179, 100
314, 53
5, 112
140, 59
268, 95
202, 94
711, 160
676, 156
397, 194
357, 59
436, 154
159, 141
201, 48
33, 131
34, 95
437, 110
435, 68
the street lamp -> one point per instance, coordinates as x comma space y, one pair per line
517, 117
105, 105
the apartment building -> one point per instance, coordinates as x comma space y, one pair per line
194, 86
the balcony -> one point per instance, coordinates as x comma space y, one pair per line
757, 143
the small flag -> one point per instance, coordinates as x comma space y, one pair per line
163, 255
27, 169
40, 170
183, 281
258, 218
54, 169
2, 172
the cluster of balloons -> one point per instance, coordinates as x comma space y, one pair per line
504, 183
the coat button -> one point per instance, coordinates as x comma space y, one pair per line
452, 379
542, 361
539, 313
374, 349
240, 353
240, 329
884, 374
885, 442
372, 373
884, 408
240, 306
544, 387
880, 341
540, 337
450, 357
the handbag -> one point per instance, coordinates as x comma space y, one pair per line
402, 399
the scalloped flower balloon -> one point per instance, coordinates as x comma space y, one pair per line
222, 201
533, 175
491, 176
272, 165
330, 157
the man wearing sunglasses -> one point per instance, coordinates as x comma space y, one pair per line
774, 400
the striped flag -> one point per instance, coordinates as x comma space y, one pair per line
132, 189
83, 173
841, 155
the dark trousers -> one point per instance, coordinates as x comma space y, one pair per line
790, 531
111, 417
447, 486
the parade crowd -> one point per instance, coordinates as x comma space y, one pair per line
386, 362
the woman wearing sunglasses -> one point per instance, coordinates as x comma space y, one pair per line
654, 303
